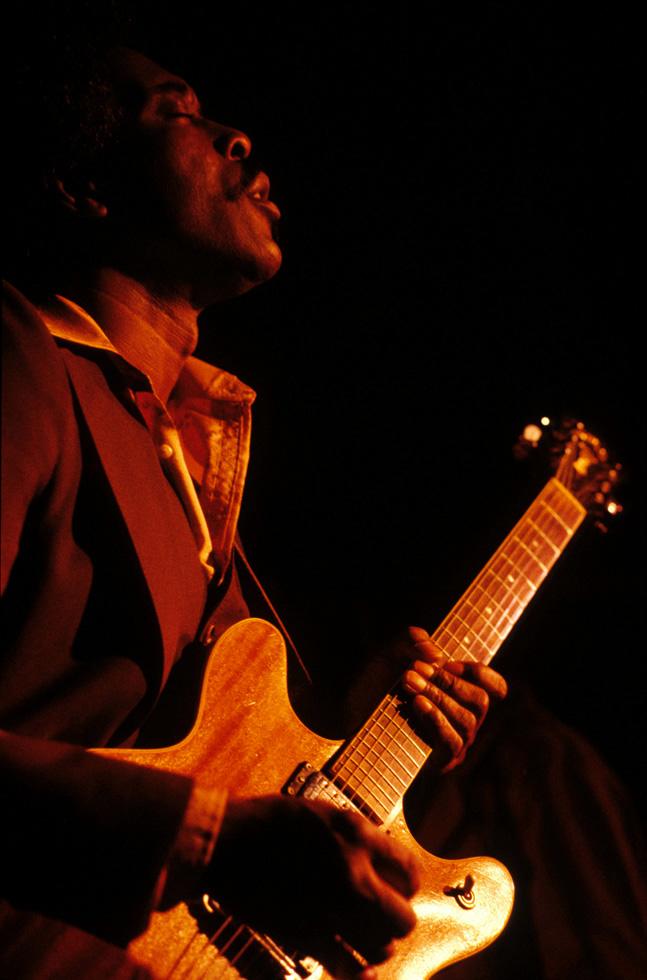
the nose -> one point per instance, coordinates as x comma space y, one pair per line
233, 144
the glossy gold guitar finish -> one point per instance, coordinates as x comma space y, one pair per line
248, 739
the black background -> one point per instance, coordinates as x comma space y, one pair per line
459, 198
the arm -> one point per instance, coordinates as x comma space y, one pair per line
88, 840
84, 838
64, 811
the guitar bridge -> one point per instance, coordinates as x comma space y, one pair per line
251, 953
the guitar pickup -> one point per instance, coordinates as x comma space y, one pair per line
311, 784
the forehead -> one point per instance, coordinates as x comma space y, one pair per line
138, 79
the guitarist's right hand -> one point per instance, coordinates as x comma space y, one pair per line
308, 874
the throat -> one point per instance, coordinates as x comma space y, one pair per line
154, 336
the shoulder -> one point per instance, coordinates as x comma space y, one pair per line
26, 341
37, 409
34, 377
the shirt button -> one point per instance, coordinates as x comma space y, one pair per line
165, 450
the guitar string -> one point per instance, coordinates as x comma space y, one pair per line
391, 730
184, 952
196, 935
228, 920
513, 551
399, 725
347, 762
395, 727
514, 557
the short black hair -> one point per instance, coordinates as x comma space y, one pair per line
62, 117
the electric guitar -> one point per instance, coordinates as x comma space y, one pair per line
247, 738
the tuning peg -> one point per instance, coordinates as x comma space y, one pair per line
528, 440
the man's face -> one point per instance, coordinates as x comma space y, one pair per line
185, 203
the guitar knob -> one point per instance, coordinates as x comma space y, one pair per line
462, 893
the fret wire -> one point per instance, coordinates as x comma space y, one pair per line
382, 758
510, 579
506, 612
474, 634
491, 601
520, 562
508, 596
481, 613
346, 759
569, 505
484, 617
355, 774
525, 539
449, 645
389, 710
367, 760
368, 774
554, 550
361, 788
531, 555
412, 739
485, 641
552, 527
505, 600
353, 794
502, 593
357, 788
558, 518
470, 616
537, 537
401, 726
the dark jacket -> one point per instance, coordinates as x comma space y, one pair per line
102, 589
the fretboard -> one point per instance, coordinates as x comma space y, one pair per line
377, 766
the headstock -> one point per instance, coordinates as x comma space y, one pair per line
581, 464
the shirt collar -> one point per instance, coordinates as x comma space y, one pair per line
68, 321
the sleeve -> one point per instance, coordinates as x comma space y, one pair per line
84, 837
34, 387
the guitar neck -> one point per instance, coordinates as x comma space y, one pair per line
377, 766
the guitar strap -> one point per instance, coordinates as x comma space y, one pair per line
210, 629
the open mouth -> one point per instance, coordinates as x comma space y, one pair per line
258, 190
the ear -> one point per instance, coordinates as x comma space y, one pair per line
78, 196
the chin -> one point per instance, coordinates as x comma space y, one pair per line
256, 271
223, 278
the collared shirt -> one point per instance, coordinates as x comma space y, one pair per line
201, 435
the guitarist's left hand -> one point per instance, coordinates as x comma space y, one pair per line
450, 698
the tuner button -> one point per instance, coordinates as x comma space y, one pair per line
532, 434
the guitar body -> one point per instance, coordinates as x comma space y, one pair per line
248, 739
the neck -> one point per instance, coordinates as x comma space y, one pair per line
154, 333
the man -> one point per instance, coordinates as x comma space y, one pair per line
112, 563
